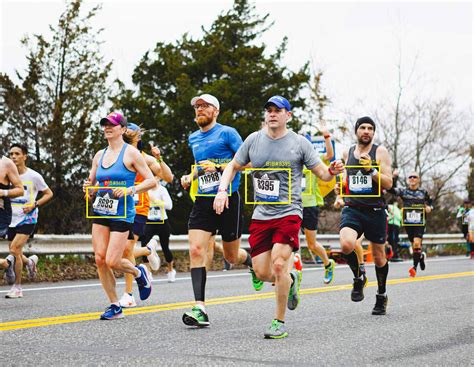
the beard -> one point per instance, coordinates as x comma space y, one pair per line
364, 140
203, 121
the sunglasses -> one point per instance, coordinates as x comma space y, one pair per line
412, 176
201, 105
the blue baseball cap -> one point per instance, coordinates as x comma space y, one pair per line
134, 127
280, 102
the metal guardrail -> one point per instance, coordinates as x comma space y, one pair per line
82, 244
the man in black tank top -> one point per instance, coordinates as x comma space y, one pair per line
368, 172
10, 187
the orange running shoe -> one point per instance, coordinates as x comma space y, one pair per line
412, 272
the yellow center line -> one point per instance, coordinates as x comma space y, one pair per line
66, 319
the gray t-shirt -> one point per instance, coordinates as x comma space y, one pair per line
280, 159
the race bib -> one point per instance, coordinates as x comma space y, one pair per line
360, 184
105, 205
303, 184
209, 181
155, 213
136, 199
413, 217
266, 190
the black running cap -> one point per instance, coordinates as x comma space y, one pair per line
364, 120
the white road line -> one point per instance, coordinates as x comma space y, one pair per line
234, 274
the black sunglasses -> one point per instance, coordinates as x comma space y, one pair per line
412, 176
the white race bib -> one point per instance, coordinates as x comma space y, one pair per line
209, 181
155, 213
360, 184
413, 217
105, 205
303, 184
136, 199
266, 189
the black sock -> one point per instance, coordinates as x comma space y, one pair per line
198, 277
416, 257
353, 263
248, 260
382, 278
280, 321
327, 266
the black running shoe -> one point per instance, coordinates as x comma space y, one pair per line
357, 293
380, 307
422, 261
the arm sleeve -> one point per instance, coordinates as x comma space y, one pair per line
242, 156
428, 199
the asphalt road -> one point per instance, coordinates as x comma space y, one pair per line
429, 322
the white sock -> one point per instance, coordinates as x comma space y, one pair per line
202, 307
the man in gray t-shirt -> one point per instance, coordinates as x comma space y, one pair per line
277, 156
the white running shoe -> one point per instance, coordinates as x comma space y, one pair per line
127, 301
153, 258
31, 267
172, 276
15, 292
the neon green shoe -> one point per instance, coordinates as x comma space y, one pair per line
257, 283
329, 272
196, 317
277, 330
294, 295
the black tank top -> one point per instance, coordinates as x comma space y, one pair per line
5, 211
360, 183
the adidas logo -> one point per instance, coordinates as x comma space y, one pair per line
265, 177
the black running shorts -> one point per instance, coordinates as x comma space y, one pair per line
414, 231
26, 229
229, 223
310, 218
116, 226
372, 222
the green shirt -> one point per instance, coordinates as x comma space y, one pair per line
315, 198
394, 215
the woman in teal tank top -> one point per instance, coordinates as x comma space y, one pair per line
111, 186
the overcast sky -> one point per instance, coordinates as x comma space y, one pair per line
356, 44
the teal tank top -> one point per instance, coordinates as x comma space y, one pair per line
117, 175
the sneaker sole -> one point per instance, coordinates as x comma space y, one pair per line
116, 317
13, 297
128, 306
277, 337
191, 321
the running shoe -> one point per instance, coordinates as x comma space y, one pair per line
422, 261
144, 282
357, 293
257, 283
171, 276
277, 330
196, 317
31, 267
380, 307
15, 292
10, 275
227, 266
112, 312
294, 294
127, 301
329, 272
297, 262
153, 258
412, 272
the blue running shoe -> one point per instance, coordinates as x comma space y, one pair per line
112, 312
144, 282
